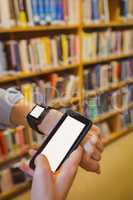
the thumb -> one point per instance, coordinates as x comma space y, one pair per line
67, 172
42, 180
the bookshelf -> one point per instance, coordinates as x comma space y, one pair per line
116, 22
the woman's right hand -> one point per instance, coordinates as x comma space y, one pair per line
54, 186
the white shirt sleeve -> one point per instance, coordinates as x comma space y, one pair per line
8, 98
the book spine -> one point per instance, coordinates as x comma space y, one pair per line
124, 8
95, 10
36, 17
48, 14
22, 20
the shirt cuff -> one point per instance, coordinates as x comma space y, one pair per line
8, 98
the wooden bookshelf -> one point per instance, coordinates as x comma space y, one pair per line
113, 24
19, 29
63, 102
47, 70
13, 157
105, 116
116, 136
11, 33
108, 58
110, 88
16, 191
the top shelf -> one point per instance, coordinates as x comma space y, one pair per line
18, 29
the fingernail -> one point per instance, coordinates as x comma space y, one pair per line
93, 139
88, 147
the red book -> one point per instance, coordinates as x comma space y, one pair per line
3, 144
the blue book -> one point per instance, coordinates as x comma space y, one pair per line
35, 11
97, 76
41, 11
48, 11
53, 11
59, 10
124, 8
95, 10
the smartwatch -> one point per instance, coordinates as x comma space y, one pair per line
36, 116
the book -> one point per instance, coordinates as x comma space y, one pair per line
55, 89
105, 43
37, 53
103, 76
95, 11
124, 8
22, 19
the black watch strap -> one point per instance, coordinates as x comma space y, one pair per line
33, 122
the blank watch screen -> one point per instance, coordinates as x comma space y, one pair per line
59, 145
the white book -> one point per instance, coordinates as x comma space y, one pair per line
3, 63
71, 87
106, 11
23, 49
87, 11
40, 53
5, 14
29, 12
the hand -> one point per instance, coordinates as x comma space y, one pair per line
92, 148
53, 186
92, 143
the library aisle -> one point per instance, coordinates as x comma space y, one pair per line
69, 54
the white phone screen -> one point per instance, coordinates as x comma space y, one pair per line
62, 141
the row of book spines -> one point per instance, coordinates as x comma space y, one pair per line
12, 139
42, 52
106, 102
126, 118
48, 91
96, 10
104, 75
99, 44
34, 12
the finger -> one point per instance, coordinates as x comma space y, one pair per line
96, 130
42, 181
93, 135
96, 155
32, 152
99, 145
26, 169
90, 165
67, 172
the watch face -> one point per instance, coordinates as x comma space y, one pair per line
37, 111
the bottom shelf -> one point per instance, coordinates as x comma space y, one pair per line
116, 136
17, 190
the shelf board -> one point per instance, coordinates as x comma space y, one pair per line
116, 136
111, 87
46, 70
105, 116
112, 113
19, 29
62, 102
108, 58
113, 24
16, 191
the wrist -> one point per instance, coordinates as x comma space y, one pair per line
19, 112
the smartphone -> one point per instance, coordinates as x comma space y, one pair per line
63, 139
